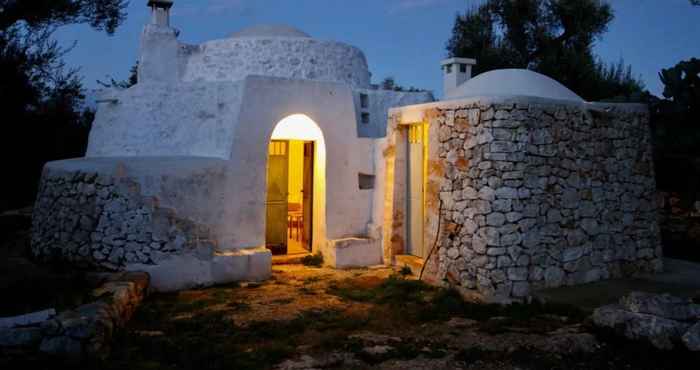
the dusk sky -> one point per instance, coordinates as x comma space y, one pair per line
401, 38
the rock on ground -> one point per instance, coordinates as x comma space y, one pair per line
661, 320
691, 339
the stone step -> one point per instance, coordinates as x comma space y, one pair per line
290, 259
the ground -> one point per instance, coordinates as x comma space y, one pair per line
319, 318
27, 286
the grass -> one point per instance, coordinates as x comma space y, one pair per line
312, 279
197, 336
206, 340
211, 339
420, 302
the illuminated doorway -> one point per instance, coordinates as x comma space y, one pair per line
417, 155
295, 201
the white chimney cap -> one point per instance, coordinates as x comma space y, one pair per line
161, 3
452, 61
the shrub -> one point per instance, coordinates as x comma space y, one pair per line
315, 260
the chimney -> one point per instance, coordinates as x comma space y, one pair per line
158, 53
160, 12
456, 71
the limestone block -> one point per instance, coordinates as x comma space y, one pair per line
660, 332
27, 319
356, 252
691, 338
666, 306
20, 337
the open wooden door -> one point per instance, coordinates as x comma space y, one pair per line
308, 195
277, 193
416, 245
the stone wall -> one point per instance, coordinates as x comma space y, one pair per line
84, 332
538, 193
104, 221
233, 59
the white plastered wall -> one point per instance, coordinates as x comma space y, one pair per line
266, 102
159, 119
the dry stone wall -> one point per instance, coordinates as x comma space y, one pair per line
539, 194
233, 59
84, 332
104, 221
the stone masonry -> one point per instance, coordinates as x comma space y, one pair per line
84, 332
103, 221
538, 193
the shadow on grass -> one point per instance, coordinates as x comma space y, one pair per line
421, 302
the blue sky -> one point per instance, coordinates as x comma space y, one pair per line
401, 38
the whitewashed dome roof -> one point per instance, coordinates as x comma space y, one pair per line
513, 82
270, 30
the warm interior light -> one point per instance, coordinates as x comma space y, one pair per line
296, 129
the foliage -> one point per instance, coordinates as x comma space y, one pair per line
682, 90
676, 131
553, 37
389, 83
43, 99
422, 302
123, 84
102, 15
675, 118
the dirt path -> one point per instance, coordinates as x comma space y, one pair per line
307, 318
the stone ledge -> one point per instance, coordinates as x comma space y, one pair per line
178, 272
353, 252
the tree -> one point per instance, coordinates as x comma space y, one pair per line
389, 83
124, 84
682, 92
102, 15
553, 37
42, 100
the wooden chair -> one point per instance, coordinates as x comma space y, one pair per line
295, 221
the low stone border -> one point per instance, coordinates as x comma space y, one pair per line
86, 331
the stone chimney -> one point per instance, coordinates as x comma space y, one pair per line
160, 12
158, 54
456, 71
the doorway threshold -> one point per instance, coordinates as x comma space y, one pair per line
289, 259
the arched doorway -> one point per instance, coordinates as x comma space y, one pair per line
296, 187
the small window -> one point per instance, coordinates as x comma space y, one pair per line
463, 68
278, 148
364, 101
365, 118
448, 68
366, 181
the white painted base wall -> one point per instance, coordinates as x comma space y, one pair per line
189, 271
